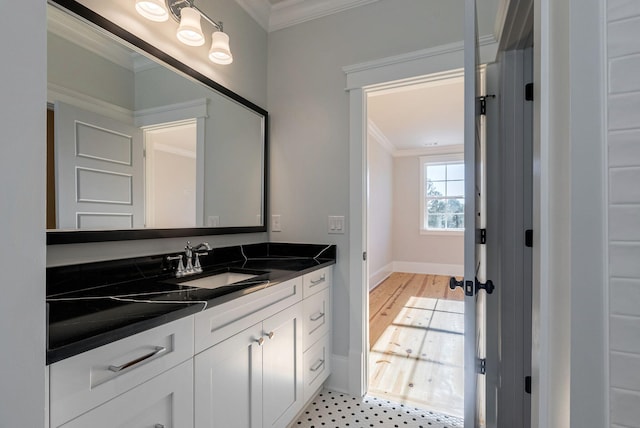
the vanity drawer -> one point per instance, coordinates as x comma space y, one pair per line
316, 281
164, 401
223, 321
316, 317
316, 366
85, 381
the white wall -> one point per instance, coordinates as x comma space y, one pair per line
380, 211
569, 295
310, 113
22, 197
435, 252
623, 104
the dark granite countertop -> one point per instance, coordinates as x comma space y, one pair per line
92, 304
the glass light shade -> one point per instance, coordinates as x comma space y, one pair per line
189, 31
154, 10
220, 52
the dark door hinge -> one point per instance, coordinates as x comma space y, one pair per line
482, 365
483, 103
482, 236
527, 384
364, 256
528, 92
528, 238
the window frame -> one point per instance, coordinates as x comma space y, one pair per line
443, 159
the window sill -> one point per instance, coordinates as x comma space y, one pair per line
442, 232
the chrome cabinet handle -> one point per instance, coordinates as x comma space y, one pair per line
158, 350
316, 366
270, 335
318, 281
317, 316
259, 341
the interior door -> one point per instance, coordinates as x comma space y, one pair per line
99, 171
475, 220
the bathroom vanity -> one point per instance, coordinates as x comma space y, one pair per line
130, 344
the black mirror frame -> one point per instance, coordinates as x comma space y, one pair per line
80, 236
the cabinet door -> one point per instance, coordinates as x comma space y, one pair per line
228, 382
166, 401
282, 367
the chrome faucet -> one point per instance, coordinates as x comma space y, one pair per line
193, 265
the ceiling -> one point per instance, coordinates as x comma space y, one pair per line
419, 117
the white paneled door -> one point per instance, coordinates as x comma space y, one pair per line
475, 377
99, 171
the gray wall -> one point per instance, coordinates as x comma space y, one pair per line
22, 197
310, 113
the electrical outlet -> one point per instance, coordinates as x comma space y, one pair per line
276, 225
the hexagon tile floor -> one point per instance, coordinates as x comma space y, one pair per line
332, 409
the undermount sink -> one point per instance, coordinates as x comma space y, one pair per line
219, 280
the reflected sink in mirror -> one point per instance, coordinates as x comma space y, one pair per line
219, 280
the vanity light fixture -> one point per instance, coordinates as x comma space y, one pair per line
154, 10
189, 32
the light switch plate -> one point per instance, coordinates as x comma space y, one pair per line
276, 225
336, 224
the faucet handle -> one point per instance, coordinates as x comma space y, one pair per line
196, 266
180, 271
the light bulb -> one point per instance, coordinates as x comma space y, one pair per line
153, 10
189, 31
220, 52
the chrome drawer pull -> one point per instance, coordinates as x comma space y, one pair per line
316, 366
158, 350
317, 316
318, 281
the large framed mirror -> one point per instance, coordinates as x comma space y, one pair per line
142, 146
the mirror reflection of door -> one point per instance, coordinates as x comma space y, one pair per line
99, 171
170, 173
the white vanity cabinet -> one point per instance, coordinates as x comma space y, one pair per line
316, 329
251, 362
87, 381
254, 378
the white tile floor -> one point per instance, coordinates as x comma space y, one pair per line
337, 410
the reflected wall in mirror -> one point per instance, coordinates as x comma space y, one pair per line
137, 145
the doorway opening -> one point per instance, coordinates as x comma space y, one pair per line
171, 175
415, 242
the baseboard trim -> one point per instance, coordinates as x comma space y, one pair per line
429, 268
380, 275
339, 378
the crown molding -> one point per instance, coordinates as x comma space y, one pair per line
291, 12
379, 136
76, 32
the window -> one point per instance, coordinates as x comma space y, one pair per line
442, 186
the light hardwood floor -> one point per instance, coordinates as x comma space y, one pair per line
416, 332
